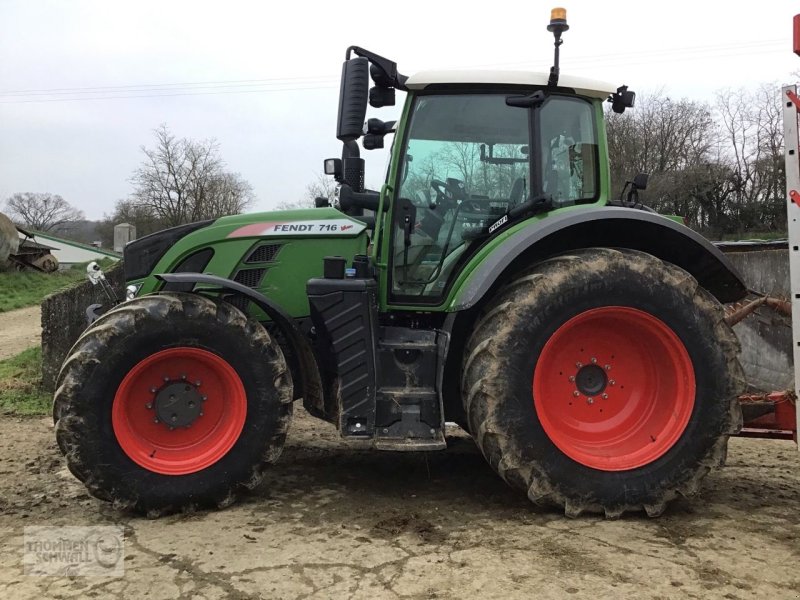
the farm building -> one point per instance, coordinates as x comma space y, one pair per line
67, 252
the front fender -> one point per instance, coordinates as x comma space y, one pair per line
613, 227
305, 374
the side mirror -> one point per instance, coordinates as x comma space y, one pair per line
622, 99
640, 181
353, 96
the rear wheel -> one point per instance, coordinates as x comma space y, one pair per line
603, 381
171, 402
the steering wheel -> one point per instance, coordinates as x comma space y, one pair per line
448, 193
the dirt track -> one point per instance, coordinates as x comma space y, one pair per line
339, 522
19, 330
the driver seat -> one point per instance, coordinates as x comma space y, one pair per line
517, 191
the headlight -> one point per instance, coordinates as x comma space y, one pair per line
131, 291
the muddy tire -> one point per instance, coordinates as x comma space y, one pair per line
172, 402
603, 381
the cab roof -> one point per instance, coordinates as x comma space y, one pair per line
581, 85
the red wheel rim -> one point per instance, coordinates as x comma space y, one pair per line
151, 442
614, 388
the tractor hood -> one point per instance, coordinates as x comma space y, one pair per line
274, 253
312, 222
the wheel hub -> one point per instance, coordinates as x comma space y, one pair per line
591, 380
178, 404
614, 388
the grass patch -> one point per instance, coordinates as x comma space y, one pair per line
18, 290
20, 384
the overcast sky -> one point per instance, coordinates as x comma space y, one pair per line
83, 84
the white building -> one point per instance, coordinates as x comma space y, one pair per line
71, 253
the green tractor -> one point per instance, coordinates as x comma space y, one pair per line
491, 282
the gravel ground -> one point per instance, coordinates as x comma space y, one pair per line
19, 330
338, 521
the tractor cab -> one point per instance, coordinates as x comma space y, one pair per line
470, 165
476, 153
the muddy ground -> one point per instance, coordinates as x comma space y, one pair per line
333, 521
19, 330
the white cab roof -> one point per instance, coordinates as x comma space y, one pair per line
581, 85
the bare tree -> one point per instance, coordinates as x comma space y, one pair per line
183, 180
323, 186
678, 143
660, 135
127, 211
41, 212
753, 128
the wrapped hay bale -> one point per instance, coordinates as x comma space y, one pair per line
9, 240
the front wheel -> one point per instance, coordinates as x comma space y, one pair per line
603, 381
171, 402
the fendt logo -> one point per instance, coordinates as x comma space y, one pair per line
278, 228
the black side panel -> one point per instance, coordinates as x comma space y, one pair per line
194, 263
613, 228
141, 256
344, 313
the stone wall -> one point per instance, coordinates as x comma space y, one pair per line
64, 319
766, 271
765, 335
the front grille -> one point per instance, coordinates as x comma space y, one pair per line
250, 277
265, 253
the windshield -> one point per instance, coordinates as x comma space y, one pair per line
466, 162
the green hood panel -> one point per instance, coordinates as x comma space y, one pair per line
298, 240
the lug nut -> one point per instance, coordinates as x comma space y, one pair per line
171, 428
590, 401
607, 367
572, 378
155, 420
149, 405
197, 383
594, 360
191, 404
201, 414
153, 390
605, 396
183, 377
166, 378
578, 365
611, 382
576, 393
205, 398
173, 418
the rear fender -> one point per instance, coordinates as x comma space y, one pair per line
603, 227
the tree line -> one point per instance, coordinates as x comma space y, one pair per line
179, 181
719, 164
